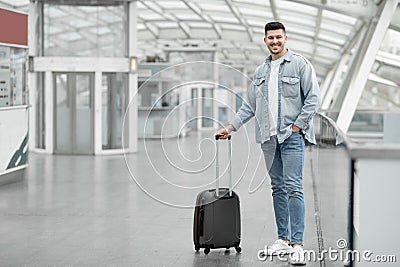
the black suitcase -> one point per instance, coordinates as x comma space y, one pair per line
217, 215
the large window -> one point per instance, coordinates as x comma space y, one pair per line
87, 31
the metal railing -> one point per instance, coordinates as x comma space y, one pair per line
332, 189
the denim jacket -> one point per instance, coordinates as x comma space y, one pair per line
298, 99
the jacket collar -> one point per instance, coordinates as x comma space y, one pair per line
286, 57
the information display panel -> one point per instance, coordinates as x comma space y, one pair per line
13, 67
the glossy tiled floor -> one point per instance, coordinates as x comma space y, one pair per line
94, 211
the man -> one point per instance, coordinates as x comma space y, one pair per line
284, 97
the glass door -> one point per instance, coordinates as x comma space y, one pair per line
114, 105
73, 120
207, 95
194, 109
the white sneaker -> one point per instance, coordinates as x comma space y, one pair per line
297, 256
278, 247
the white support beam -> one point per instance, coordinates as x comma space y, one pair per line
327, 81
97, 113
273, 9
358, 83
80, 64
388, 59
32, 84
32, 81
239, 17
49, 112
131, 121
317, 30
154, 7
132, 116
154, 30
353, 49
330, 91
185, 28
204, 17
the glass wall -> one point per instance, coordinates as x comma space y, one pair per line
114, 104
382, 92
81, 29
40, 111
87, 31
207, 95
331, 178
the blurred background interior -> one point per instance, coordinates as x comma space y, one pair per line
93, 83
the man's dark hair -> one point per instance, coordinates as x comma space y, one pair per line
275, 25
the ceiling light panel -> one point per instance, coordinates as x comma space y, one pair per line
258, 23
329, 45
214, 6
236, 27
297, 18
339, 17
200, 25
328, 37
225, 19
170, 4
336, 27
256, 12
327, 53
186, 16
252, 2
302, 32
166, 24
300, 46
150, 16
296, 7
171, 33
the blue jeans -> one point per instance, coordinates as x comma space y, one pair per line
285, 163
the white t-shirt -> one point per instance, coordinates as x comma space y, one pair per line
273, 95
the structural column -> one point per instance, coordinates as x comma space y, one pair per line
357, 85
49, 111
97, 113
131, 118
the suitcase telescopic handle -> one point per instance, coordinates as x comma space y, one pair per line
217, 137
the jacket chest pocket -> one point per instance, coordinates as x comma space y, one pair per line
259, 86
290, 86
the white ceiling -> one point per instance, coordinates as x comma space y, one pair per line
236, 28
14, 3
319, 29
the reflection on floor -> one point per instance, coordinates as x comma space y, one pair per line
105, 211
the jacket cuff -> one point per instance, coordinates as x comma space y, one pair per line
236, 123
301, 124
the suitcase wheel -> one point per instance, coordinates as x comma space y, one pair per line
197, 248
238, 249
207, 250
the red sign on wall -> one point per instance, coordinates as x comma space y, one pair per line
13, 27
